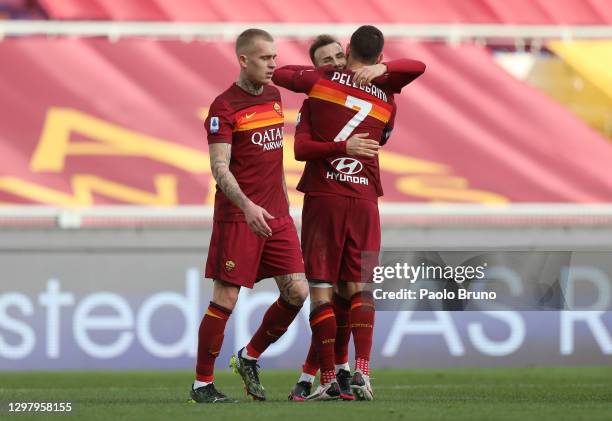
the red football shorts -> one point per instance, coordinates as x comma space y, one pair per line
335, 232
238, 256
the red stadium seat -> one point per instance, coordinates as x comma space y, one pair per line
549, 12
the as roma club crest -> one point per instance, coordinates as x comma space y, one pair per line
229, 265
278, 109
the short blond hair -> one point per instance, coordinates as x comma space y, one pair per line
247, 37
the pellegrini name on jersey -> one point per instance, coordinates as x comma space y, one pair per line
347, 79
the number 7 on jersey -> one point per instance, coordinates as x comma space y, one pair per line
364, 109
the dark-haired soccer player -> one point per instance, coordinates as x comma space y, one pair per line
327, 51
340, 215
253, 234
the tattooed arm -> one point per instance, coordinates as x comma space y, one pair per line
220, 155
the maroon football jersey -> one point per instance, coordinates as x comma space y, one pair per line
338, 108
253, 125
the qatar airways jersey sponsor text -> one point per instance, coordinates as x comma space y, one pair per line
269, 139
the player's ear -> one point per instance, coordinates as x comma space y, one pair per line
348, 50
380, 58
243, 60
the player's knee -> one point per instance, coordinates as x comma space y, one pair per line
320, 294
347, 289
225, 294
301, 292
229, 302
296, 293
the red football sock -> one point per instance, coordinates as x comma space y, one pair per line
362, 365
311, 365
362, 327
210, 339
323, 325
275, 322
342, 309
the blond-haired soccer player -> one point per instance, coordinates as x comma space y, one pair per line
253, 234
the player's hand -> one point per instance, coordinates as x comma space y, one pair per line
367, 74
360, 145
256, 217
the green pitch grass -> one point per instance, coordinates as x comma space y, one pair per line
424, 394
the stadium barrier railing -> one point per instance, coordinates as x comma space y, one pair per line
392, 215
452, 33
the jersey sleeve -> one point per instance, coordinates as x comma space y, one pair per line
220, 122
296, 78
400, 73
308, 149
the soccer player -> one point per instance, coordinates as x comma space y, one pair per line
253, 234
327, 51
347, 188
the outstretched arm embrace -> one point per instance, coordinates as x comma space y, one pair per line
308, 149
